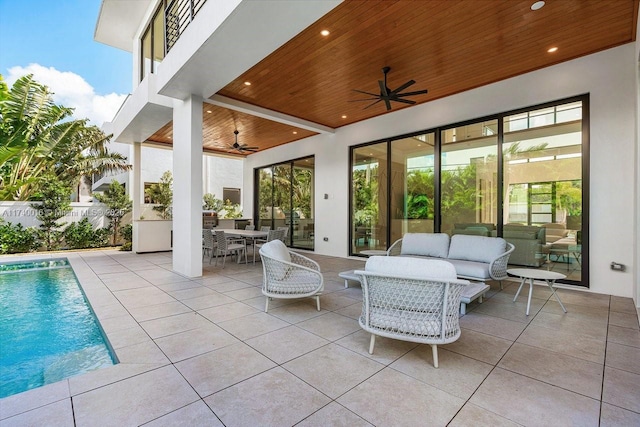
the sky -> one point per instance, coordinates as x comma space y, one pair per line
53, 40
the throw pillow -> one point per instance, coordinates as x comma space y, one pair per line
277, 250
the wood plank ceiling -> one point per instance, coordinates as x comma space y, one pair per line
446, 46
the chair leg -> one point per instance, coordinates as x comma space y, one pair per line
266, 305
318, 302
500, 281
434, 349
372, 343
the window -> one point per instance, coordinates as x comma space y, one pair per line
231, 194
516, 175
153, 43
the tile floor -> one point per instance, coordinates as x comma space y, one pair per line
203, 353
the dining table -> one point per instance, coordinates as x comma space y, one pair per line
245, 234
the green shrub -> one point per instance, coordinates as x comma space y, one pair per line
16, 238
80, 235
126, 232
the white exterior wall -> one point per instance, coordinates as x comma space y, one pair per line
608, 76
220, 173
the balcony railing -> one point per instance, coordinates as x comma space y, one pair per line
178, 16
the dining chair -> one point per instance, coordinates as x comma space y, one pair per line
208, 243
265, 228
230, 245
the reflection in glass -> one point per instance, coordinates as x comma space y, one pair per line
469, 179
285, 199
543, 189
369, 202
412, 185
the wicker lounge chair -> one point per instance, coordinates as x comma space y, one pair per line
288, 274
411, 299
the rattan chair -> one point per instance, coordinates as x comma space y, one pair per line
411, 299
227, 245
288, 274
208, 243
272, 235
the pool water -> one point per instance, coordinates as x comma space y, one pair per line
47, 329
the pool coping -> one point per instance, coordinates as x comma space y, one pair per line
94, 290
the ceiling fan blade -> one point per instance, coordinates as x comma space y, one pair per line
404, 101
372, 104
366, 93
403, 87
250, 148
417, 92
383, 88
387, 103
363, 99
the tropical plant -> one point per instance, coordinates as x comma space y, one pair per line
230, 210
126, 232
54, 204
118, 205
80, 235
210, 203
161, 194
14, 238
39, 137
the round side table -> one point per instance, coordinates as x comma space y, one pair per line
549, 277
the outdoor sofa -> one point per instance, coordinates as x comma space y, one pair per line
476, 258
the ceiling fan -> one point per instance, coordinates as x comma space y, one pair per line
241, 148
387, 94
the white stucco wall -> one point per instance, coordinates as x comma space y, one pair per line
608, 76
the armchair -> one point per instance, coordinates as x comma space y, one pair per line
411, 299
288, 274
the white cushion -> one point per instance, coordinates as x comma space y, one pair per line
411, 267
425, 244
476, 248
277, 250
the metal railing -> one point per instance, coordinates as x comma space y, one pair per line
177, 17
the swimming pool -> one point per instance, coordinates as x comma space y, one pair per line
47, 329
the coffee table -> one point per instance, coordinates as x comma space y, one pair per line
349, 275
373, 252
471, 292
531, 274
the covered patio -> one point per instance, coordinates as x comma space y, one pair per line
202, 352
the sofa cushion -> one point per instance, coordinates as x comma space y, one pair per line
425, 244
476, 248
471, 269
411, 267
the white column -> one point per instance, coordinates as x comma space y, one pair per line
135, 190
187, 186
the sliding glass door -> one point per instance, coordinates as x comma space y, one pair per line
284, 199
516, 175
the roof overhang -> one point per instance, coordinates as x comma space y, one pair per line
231, 36
142, 114
118, 22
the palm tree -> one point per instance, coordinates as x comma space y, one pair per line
38, 136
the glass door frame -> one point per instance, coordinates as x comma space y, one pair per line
256, 197
500, 117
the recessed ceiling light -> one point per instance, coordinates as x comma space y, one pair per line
344, 116
247, 83
209, 111
295, 133
325, 33
553, 49
537, 5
